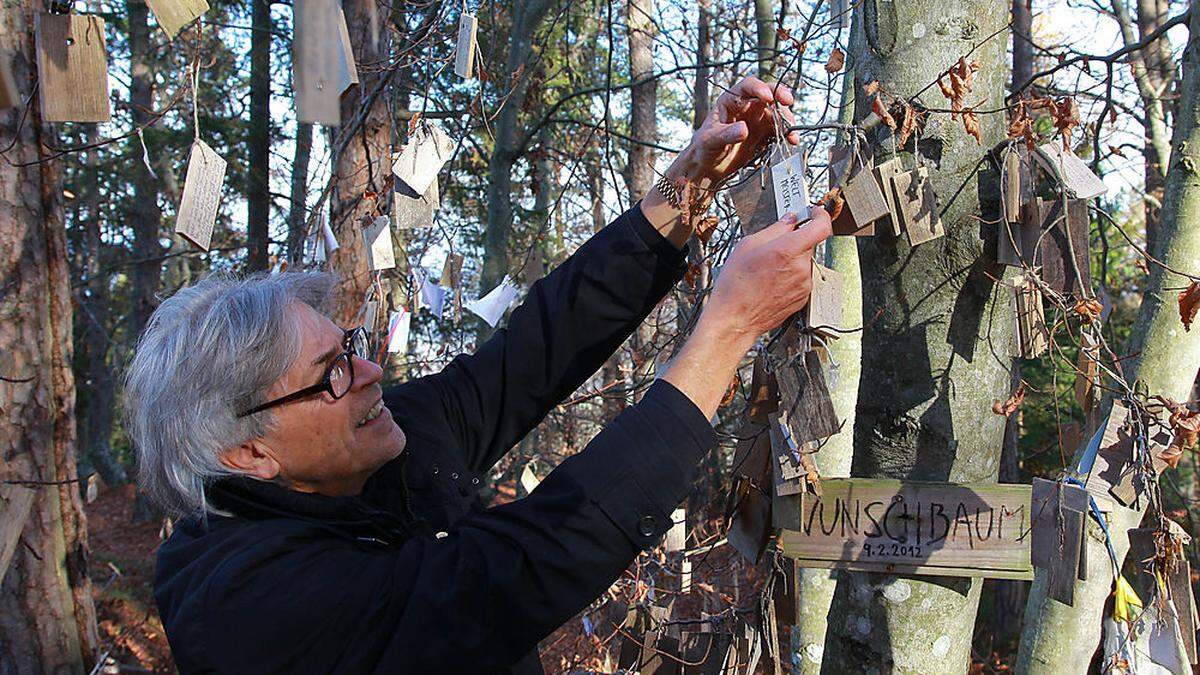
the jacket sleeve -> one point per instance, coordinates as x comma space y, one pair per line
570, 322
503, 579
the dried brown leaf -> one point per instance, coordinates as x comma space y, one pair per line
1185, 425
871, 88
880, 109
837, 59
907, 125
1189, 302
1010, 406
1089, 310
971, 124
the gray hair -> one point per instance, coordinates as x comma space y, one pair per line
208, 352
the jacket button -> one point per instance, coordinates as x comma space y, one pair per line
435, 469
454, 476
646, 526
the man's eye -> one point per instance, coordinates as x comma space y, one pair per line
336, 373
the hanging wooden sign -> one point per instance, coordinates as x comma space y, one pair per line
754, 202
173, 15
418, 163
1031, 336
789, 182
409, 212
72, 68
1115, 472
918, 206
381, 252
864, 203
451, 270
1018, 232
318, 62
9, 96
1072, 172
201, 196
883, 177
749, 512
1059, 518
676, 537
347, 68
825, 301
464, 51
909, 527
1063, 250
805, 403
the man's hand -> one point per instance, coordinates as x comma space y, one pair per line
734, 130
767, 278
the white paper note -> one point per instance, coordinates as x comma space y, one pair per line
432, 296
398, 331
791, 187
529, 479
201, 195
423, 157
491, 307
378, 240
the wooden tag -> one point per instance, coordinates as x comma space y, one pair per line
451, 270
750, 508
1063, 252
1076, 177
9, 96
173, 15
824, 311
847, 222
804, 398
409, 212
318, 62
1031, 335
789, 183
201, 196
1087, 370
883, 178
784, 469
1018, 231
1059, 516
676, 538
1113, 472
529, 479
427, 151
918, 206
754, 202
72, 68
464, 51
378, 241
865, 200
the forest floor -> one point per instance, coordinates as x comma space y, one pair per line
131, 633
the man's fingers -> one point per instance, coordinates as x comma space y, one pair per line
728, 134
752, 87
790, 119
816, 230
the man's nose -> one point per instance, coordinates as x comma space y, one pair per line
366, 372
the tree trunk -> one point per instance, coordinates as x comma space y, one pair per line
362, 165
764, 23
817, 586
507, 150
258, 137
929, 376
47, 620
298, 209
1022, 43
1058, 638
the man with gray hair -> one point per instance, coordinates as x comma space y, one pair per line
330, 525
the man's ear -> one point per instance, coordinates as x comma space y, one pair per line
251, 458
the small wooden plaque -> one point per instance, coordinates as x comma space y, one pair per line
805, 403
201, 196
409, 212
318, 62
918, 206
427, 151
377, 237
1018, 232
825, 302
1059, 519
173, 15
1113, 473
464, 51
10, 97
72, 68
909, 527
451, 270
347, 69
883, 177
754, 202
1063, 250
1031, 336
865, 199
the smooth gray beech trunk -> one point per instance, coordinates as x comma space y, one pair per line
937, 356
1062, 639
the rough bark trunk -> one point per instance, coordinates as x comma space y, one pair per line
258, 137
1022, 43
363, 164
764, 23
298, 208
817, 586
47, 621
1058, 638
928, 375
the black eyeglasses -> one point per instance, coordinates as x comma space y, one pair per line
338, 378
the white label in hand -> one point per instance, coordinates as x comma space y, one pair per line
791, 187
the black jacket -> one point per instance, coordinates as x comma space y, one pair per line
415, 575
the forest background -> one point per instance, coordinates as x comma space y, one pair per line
573, 109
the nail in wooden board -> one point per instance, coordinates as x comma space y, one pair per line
72, 68
377, 238
9, 96
918, 206
754, 202
173, 15
418, 163
201, 196
409, 212
318, 62
1059, 516
464, 51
